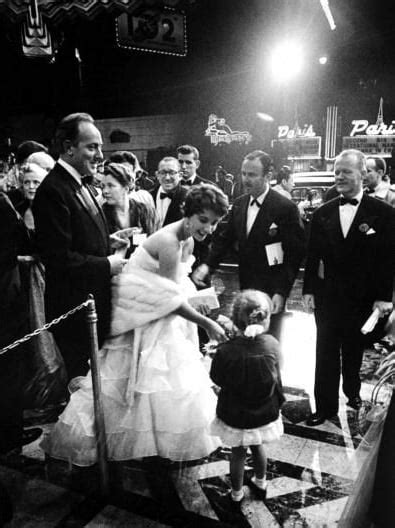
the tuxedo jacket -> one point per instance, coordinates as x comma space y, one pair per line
174, 211
73, 243
278, 222
198, 179
347, 275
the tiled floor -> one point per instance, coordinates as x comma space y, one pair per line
310, 470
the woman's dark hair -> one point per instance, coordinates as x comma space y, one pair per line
124, 156
26, 148
205, 197
119, 172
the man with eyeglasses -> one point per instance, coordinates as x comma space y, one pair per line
169, 195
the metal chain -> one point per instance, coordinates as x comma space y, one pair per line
45, 327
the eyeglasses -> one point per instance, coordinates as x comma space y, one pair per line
168, 172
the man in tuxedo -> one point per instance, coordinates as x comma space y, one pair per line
188, 158
349, 273
169, 195
376, 186
73, 240
267, 232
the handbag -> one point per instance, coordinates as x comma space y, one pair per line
373, 411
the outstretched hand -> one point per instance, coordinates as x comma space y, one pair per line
215, 331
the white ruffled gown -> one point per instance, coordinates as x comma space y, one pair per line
156, 392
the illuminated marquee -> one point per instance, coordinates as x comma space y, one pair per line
297, 143
285, 132
219, 132
372, 139
362, 126
371, 145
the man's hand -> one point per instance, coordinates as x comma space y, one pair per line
120, 239
309, 302
278, 301
116, 263
200, 274
384, 307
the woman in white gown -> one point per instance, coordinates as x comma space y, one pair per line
157, 394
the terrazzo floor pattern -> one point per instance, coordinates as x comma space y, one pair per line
310, 470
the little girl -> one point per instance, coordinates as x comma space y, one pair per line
246, 368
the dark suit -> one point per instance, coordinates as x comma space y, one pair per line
73, 242
14, 312
254, 269
346, 276
197, 180
174, 211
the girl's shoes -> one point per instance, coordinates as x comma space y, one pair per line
258, 485
237, 496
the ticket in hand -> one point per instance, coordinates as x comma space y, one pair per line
371, 321
207, 296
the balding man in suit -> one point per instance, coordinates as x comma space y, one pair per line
349, 273
73, 240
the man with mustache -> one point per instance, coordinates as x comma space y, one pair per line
267, 233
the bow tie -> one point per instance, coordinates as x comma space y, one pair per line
164, 195
351, 201
87, 180
255, 202
186, 182
369, 191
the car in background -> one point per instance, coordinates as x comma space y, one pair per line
310, 189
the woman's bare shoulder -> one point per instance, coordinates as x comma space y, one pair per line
162, 239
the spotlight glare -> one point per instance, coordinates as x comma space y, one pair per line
323, 59
265, 117
287, 61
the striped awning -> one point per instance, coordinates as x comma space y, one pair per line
54, 10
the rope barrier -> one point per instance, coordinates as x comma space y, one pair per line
45, 327
100, 428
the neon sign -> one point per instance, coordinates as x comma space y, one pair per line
219, 132
362, 126
285, 132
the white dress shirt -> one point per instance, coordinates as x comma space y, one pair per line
347, 214
253, 210
162, 206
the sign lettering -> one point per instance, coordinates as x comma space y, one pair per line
219, 132
362, 126
285, 132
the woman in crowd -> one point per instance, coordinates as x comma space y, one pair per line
120, 210
157, 394
130, 161
46, 382
32, 176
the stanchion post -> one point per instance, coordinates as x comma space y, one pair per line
100, 426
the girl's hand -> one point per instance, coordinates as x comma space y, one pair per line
215, 331
203, 309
